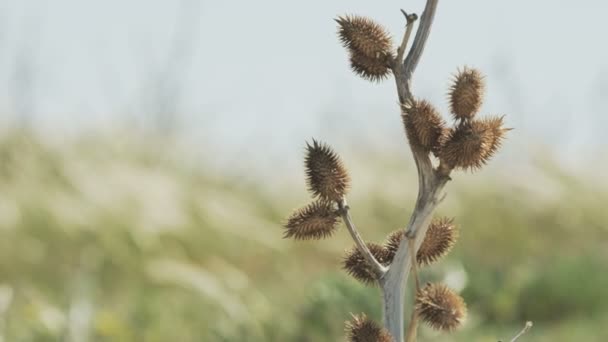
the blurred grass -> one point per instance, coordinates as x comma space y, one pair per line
123, 241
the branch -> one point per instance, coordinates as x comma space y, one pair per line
430, 186
410, 18
378, 269
412, 327
426, 21
527, 327
403, 71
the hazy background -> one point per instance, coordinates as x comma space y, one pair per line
150, 149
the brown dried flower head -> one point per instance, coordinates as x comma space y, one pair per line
438, 241
424, 126
369, 46
363, 36
356, 265
391, 245
440, 307
466, 93
371, 69
315, 221
363, 329
495, 126
327, 177
472, 143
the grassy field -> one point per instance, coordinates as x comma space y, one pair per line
109, 241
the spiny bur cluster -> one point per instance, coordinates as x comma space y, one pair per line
328, 182
438, 241
355, 264
440, 307
369, 46
440, 237
315, 221
472, 142
363, 329
466, 93
326, 175
424, 126
468, 144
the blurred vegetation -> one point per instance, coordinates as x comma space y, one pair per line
109, 240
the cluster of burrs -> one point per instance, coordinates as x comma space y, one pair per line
328, 182
467, 145
470, 143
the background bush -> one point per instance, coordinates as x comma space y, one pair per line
124, 241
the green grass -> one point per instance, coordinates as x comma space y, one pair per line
153, 248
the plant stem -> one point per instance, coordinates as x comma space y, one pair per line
527, 327
378, 269
430, 186
412, 328
411, 18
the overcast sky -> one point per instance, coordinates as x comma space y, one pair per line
272, 71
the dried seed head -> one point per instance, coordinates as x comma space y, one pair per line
363, 329
356, 265
466, 93
495, 126
363, 36
316, 221
438, 241
327, 177
372, 69
391, 245
424, 126
472, 143
440, 307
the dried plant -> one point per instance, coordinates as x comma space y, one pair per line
440, 307
467, 145
363, 329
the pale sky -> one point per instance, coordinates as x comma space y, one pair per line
273, 72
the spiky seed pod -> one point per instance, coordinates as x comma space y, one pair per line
466, 93
362, 36
440, 307
356, 265
315, 221
472, 143
363, 329
371, 69
424, 126
438, 241
391, 245
495, 126
465, 147
327, 177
